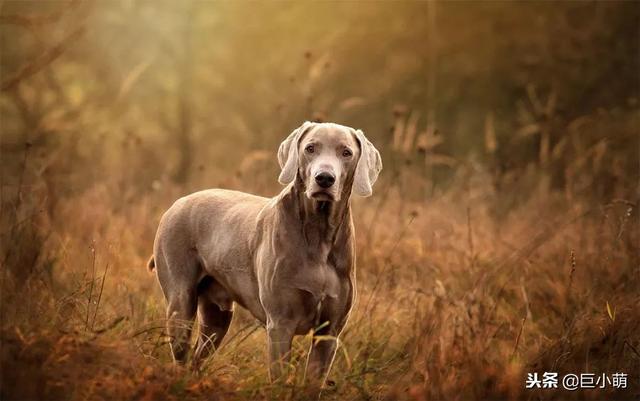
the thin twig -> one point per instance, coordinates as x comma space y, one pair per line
110, 326
635, 351
95, 312
515, 348
93, 277
472, 255
569, 287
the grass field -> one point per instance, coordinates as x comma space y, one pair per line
457, 299
502, 238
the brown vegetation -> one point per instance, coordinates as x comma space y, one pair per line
502, 237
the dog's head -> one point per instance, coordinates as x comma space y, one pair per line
328, 158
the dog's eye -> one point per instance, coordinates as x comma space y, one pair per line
310, 149
347, 153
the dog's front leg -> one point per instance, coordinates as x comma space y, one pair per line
325, 339
280, 334
321, 355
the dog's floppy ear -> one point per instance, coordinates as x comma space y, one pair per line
288, 154
368, 168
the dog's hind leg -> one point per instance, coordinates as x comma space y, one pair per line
214, 313
178, 279
180, 314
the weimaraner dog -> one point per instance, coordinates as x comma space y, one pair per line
289, 260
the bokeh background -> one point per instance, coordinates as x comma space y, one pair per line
502, 237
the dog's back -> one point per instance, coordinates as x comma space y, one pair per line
215, 218
210, 232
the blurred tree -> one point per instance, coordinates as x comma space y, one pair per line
197, 84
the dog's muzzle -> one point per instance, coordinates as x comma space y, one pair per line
325, 180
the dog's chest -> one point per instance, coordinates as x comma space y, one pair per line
318, 278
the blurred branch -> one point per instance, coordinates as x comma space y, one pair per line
432, 43
185, 98
32, 21
44, 59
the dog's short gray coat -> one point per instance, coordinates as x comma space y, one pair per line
289, 260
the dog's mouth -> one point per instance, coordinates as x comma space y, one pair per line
322, 196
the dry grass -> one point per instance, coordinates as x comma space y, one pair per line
502, 237
455, 301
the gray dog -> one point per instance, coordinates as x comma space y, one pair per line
289, 260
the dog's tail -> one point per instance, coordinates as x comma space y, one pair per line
151, 264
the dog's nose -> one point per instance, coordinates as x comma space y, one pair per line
325, 180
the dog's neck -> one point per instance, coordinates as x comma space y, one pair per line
321, 222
